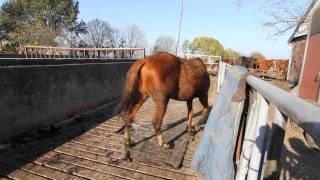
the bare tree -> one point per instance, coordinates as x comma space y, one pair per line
282, 16
117, 40
134, 37
257, 55
99, 33
185, 46
67, 39
164, 43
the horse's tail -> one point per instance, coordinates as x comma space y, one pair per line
131, 94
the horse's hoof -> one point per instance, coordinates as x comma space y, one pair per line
167, 146
126, 156
191, 131
197, 128
129, 144
120, 130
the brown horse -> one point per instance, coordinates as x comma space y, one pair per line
163, 76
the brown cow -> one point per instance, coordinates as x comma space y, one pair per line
264, 64
281, 66
247, 62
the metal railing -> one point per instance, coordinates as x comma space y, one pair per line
208, 59
212, 62
263, 138
43, 52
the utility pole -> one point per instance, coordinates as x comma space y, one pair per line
181, 12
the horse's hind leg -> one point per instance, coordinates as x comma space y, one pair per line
159, 112
190, 114
204, 101
129, 120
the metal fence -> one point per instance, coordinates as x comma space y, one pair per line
43, 52
263, 138
212, 62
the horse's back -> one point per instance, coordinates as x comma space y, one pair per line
176, 78
194, 78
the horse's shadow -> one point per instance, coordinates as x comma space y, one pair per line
169, 127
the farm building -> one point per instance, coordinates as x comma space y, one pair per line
298, 42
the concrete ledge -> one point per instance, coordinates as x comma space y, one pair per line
27, 62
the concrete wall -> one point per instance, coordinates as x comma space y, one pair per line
37, 95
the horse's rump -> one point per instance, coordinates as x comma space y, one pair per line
131, 92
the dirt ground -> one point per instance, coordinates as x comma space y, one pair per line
298, 160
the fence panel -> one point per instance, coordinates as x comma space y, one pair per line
43, 52
263, 139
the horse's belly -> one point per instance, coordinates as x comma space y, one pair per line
184, 95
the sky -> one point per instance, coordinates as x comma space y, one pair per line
235, 27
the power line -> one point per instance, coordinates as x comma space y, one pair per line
181, 12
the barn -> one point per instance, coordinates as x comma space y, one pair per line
298, 42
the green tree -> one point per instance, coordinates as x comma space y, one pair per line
207, 45
45, 17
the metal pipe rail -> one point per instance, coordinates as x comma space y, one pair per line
305, 114
263, 139
43, 52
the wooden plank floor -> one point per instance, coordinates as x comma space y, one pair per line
89, 148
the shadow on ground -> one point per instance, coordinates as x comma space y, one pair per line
299, 161
33, 145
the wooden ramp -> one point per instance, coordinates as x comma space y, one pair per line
89, 148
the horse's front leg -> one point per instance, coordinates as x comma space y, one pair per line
159, 112
190, 115
204, 113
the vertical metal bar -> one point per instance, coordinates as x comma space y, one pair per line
25, 50
221, 74
249, 139
272, 166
